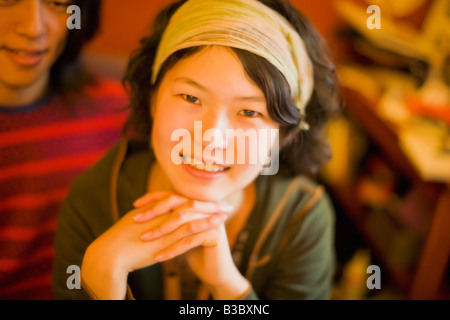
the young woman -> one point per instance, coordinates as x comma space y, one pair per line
166, 213
55, 121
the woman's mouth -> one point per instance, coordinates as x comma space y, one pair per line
202, 170
203, 166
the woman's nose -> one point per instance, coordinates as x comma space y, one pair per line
214, 130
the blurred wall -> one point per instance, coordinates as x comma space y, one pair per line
124, 23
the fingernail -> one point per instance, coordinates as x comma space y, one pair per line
137, 202
138, 216
219, 218
226, 207
161, 257
147, 236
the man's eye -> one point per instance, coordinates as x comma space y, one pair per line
8, 2
190, 99
250, 113
59, 5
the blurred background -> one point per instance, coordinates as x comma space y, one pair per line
390, 174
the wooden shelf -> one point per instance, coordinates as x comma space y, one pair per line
384, 136
402, 277
425, 279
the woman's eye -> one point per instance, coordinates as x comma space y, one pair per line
190, 99
250, 113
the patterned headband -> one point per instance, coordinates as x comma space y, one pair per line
244, 24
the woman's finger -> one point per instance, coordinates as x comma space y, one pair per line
208, 237
209, 207
168, 202
173, 201
150, 197
183, 224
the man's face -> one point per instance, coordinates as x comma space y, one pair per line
32, 36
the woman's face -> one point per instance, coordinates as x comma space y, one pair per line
211, 129
32, 36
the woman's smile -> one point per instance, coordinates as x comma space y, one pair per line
200, 100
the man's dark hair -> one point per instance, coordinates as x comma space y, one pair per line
66, 73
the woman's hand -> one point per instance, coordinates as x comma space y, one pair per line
166, 220
207, 252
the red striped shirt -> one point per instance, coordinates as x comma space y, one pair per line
43, 147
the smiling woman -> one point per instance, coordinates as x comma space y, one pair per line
143, 226
218, 81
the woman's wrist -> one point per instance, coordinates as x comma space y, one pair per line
235, 289
103, 278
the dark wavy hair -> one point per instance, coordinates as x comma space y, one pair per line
301, 152
67, 73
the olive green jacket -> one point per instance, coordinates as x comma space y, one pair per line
286, 248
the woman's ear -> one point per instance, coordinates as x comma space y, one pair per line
287, 137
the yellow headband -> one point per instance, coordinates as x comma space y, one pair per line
244, 24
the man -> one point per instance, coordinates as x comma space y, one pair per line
55, 121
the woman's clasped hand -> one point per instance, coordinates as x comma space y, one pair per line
163, 225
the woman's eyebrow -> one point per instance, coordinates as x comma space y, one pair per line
260, 99
191, 82
257, 98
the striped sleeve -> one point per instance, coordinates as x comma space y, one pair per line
43, 147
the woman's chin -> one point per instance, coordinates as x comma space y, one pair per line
202, 193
